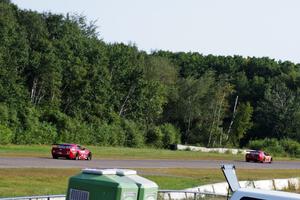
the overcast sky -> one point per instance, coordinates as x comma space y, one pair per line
219, 27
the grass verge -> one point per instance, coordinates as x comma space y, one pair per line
24, 182
116, 153
122, 153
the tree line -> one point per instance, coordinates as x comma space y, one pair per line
61, 83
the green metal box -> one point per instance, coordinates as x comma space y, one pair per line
96, 184
147, 189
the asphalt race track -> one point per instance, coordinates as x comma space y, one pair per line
62, 163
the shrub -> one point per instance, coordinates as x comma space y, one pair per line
117, 135
270, 145
101, 135
170, 135
4, 114
291, 147
46, 134
109, 135
5, 135
256, 144
154, 137
133, 134
74, 132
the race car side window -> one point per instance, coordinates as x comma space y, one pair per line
250, 198
80, 147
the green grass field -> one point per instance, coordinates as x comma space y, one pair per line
121, 153
114, 153
23, 182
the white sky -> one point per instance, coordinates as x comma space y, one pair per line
219, 27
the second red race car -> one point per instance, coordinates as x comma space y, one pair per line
71, 151
258, 156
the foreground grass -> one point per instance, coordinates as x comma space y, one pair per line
23, 182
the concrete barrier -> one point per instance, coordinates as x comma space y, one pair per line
191, 195
221, 188
176, 196
246, 184
204, 149
206, 188
264, 184
294, 183
274, 184
281, 184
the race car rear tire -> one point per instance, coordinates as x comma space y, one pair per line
89, 157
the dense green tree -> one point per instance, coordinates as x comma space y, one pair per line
242, 123
126, 75
13, 56
277, 111
60, 83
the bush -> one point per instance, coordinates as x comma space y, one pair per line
269, 145
107, 135
75, 132
291, 147
272, 145
170, 135
46, 134
154, 137
256, 144
133, 134
4, 114
5, 135
101, 134
43, 133
117, 135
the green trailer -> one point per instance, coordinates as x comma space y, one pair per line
147, 189
98, 184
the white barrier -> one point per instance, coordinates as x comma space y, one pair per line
294, 183
246, 184
274, 184
281, 184
206, 188
221, 188
264, 184
204, 149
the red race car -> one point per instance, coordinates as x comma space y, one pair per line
258, 156
71, 151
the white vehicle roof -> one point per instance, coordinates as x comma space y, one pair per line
264, 194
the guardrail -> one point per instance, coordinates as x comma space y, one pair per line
190, 195
162, 195
43, 197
